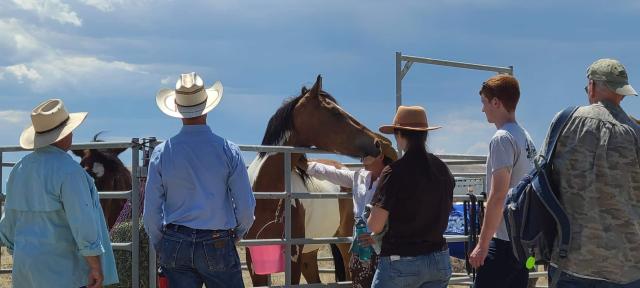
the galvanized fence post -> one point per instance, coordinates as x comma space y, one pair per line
287, 219
135, 207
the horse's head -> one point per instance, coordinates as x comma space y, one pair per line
315, 119
100, 162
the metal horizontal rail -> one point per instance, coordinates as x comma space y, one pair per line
464, 162
281, 149
303, 195
295, 241
334, 195
115, 195
470, 175
8, 164
461, 198
319, 285
79, 146
122, 246
445, 157
6, 271
456, 162
327, 240
447, 63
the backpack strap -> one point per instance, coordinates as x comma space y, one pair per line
556, 128
541, 183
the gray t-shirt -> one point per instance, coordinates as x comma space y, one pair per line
511, 147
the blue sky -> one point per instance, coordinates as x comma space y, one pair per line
110, 57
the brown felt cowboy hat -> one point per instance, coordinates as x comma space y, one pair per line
50, 123
412, 118
190, 98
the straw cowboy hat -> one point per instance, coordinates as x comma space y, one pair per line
412, 118
50, 123
190, 98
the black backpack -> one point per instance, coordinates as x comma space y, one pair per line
533, 213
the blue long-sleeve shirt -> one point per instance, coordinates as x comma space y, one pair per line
52, 219
199, 180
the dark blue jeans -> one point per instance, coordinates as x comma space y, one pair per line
570, 281
192, 257
501, 268
425, 271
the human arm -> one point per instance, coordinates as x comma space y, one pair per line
340, 177
244, 203
154, 198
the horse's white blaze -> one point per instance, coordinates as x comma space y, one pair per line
322, 216
98, 169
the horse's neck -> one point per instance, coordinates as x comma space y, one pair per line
257, 165
297, 183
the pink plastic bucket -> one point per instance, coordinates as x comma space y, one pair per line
267, 259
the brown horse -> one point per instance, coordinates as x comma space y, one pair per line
313, 119
109, 173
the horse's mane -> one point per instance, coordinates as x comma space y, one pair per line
281, 124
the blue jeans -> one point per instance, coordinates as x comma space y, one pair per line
501, 268
424, 271
570, 281
192, 257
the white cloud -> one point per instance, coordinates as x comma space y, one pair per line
18, 43
13, 116
53, 9
166, 80
62, 70
21, 72
465, 131
102, 5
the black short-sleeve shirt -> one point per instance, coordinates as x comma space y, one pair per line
417, 191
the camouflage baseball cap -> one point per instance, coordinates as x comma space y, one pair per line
613, 74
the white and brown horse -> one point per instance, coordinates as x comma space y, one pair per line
313, 119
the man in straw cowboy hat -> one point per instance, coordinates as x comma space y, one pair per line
597, 171
52, 222
511, 153
414, 199
198, 199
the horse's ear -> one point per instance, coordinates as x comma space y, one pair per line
315, 90
304, 91
79, 153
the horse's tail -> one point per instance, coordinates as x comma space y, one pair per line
338, 263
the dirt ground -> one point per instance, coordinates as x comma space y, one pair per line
277, 279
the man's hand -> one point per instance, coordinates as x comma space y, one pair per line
95, 276
478, 255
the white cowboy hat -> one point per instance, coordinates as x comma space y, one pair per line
190, 98
50, 123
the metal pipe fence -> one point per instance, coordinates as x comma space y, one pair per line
133, 195
139, 170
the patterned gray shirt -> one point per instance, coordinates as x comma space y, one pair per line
597, 169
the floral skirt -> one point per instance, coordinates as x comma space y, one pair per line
362, 272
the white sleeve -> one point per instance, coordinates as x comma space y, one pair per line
341, 177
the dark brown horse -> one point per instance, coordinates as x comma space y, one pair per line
109, 173
313, 119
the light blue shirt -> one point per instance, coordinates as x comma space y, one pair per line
199, 180
52, 219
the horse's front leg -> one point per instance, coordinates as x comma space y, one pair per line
297, 231
310, 267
